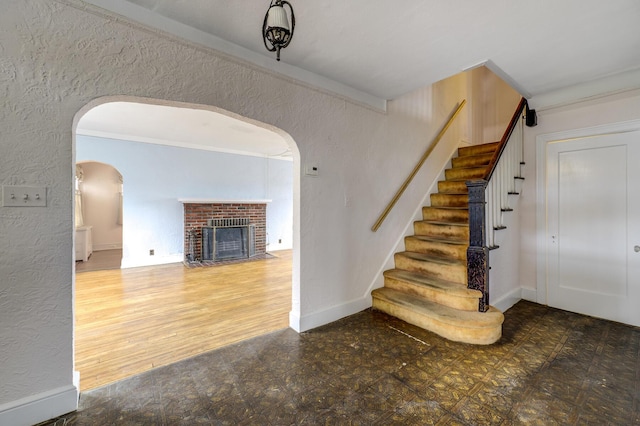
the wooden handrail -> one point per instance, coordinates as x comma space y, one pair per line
415, 170
503, 142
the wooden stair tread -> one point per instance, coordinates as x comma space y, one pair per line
452, 241
431, 258
447, 207
483, 156
460, 165
472, 173
467, 168
436, 222
477, 149
458, 318
433, 282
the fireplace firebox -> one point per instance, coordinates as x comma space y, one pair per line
226, 239
201, 216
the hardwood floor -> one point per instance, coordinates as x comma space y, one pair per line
132, 320
101, 260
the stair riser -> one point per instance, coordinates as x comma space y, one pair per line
478, 336
452, 187
454, 251
449, 200
443, 298
453, 272
477, 149
445, 215
472, 173
472, 161
457, 232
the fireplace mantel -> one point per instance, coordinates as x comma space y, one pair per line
218, 201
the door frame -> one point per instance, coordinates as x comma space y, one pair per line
542, 141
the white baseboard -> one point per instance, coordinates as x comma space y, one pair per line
151, 261
316, 319
101, 247
530, 294
39, 408
76, 379
508, 300
514, 296
294, 321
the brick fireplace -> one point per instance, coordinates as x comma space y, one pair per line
202, 214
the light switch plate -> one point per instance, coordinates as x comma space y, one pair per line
24, 196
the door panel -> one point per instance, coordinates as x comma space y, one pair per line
592, 226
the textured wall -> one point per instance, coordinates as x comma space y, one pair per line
57, 56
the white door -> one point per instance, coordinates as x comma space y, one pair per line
593, 226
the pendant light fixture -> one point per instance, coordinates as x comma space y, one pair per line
276, 31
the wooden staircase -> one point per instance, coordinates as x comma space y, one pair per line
428, 286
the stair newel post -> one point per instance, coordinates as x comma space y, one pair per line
478, 252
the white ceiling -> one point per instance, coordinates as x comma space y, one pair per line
386, 49
374, 50
183, 127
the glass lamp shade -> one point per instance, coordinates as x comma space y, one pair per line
277, 18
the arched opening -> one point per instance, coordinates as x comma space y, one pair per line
163, 167
98, 216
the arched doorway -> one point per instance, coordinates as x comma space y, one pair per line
154, 168
98, 216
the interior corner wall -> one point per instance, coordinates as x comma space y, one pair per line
58, 56
493, 102
156, 176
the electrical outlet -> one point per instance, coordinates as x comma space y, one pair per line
152, 252
311, 170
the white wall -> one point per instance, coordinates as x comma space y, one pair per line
597, 112
504, 275
279, 189
100, 189
493, 102
59, 56
156, 176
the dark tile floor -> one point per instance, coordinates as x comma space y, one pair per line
550, 367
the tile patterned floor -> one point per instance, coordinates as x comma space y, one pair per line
550, 367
